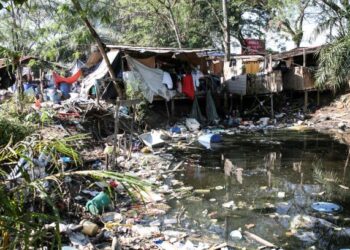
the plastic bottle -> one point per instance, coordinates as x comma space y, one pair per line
89, 228
98, 203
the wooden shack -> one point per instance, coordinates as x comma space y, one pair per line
246, 76
298, 67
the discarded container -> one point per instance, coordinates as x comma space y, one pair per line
236, 234
65, 159
230, 204
175, 130
98, 203
78, 239
89, 228
207, 139
151, 139
281, 195
111, 216
53, 95
326, 207
192, 124
264, 121
65, 89
201, 191
182, 128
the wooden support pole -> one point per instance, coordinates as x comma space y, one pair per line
305, 100
241, 102
132, 130
318, 97
304, 58
41, 85
346, 164
172, 107
272, 109
226, 102
167, 108
115, 137
97, 88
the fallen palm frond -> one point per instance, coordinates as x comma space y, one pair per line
33, 146
21, 226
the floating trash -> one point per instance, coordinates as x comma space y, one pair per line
326, 207
207, 139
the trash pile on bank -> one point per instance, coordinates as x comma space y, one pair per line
107, 215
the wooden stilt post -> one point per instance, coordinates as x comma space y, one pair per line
115, 137
272, 109
131, 130
304, 58
226, 102
318, 97
167, 108
305, 100
172, 107
97, 87
41, 79
241, 102
346, 164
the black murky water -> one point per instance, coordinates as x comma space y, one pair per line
275, 176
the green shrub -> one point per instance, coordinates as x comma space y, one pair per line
13, 128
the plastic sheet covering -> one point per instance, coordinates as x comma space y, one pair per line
70, 80
133, 79
196, 111
76, 66
212, 114
100, 72
149, 80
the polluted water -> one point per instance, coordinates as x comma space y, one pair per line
264, 185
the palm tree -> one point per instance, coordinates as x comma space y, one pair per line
334, 57
334, 64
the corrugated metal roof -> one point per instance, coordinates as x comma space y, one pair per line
158, 50
296, 52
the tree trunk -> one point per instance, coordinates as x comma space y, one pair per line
174, 24
100, 47
227, 40
19, 86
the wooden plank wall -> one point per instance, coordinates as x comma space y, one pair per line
298, 78
256, 84
265, 84
237, 85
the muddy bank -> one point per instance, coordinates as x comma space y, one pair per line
333, 119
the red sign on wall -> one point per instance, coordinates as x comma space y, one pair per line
253, 47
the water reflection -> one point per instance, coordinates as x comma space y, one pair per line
271, 178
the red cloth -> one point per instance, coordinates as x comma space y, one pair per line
70, 80
187, 86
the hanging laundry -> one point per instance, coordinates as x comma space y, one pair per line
187, 86
70, 80
167, 80
196, 75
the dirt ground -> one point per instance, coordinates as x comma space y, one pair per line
334, 119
